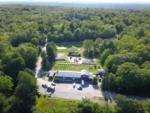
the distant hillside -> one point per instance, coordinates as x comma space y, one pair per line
87, 5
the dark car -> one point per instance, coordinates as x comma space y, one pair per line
44, 86
53, 84
51, 89
79, 88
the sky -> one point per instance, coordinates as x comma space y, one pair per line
82, 1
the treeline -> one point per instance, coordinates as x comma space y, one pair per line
123, 105
18, 99
20, 46
126, 60
128, 64
21, 24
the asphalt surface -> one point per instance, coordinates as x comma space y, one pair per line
67, 91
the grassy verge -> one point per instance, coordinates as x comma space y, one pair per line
65, 51
58, 105
55, 105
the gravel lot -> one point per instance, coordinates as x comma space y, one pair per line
67, 91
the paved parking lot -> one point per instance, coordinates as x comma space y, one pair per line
67, 91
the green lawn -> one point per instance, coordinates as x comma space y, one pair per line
64, 65
59, 105
63, 51
70, 44
63, 47
55, 105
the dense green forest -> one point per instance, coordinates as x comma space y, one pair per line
119, 38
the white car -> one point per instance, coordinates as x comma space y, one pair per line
82, 82
84, 97
74, 85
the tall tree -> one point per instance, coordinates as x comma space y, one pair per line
24, 95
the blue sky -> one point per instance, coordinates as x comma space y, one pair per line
82, 1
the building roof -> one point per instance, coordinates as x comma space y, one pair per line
72, 74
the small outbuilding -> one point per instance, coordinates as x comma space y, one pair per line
85, 74
70, 76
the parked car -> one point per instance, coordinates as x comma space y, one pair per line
49, 94
84, 97
80, 88
82, 82
53, 84
44, 86
74, 85
51, 89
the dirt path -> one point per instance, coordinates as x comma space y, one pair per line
39, 61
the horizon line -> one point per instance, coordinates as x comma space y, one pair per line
148, 3
73, 2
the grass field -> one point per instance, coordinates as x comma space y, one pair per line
63, 51
64, 65
70, 44
63, 47
45, 104
55, 105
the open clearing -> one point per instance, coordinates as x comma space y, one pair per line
64, 65
45, 104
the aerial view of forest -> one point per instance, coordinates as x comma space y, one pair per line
48, 55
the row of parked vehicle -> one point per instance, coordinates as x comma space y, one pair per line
49, 88
80, 87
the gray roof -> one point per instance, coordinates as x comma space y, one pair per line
72, 74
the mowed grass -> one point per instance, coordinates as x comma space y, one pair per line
63, 65
65, 51
55, 105
70, 44
63, 47
45, 104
